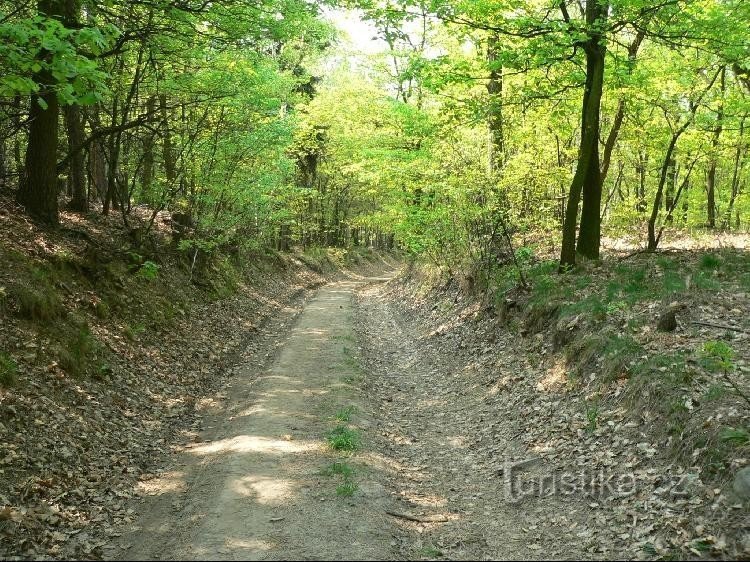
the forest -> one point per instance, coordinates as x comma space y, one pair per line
249, 123
536, 210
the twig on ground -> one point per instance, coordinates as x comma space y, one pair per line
419, 518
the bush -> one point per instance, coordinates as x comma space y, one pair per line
149, 270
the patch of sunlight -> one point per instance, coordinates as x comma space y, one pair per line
264, 489
314, 332
205, 404
253, 410
423, 500
456, 441
249, 444
547, 447
555, 378
169, 482
248, 544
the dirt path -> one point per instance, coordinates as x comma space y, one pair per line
254, 485
455, 452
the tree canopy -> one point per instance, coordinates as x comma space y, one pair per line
256, 124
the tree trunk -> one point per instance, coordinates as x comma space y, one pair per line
671, 181
74, 126
609, 145
98, 170
739, 156
652, 241
170, 166
589, 235
147, 175
496, 148
587, 178
38, 189
641, 170
711, 176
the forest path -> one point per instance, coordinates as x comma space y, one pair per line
254, 485
257, 484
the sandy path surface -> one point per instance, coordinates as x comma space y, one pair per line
254, 485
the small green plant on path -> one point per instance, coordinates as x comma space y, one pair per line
347, 488
343, 439
345, 414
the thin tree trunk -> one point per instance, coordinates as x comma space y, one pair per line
170, 165
739, 157
609, 145
711, 176
641, 169
670, 187
496, 148
147, 175
74, 126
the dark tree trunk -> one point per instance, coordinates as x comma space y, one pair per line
652, 240
711, 176
739, 156
587, 180
671, 181
589, 235
98, 170
17, 153
74, 126
38, 189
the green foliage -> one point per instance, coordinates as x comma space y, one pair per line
133, 332
592, 417
340, 469
345, 414
343, 438
606, 355
8, 370
738, 437
710, 261
148, 270
33, 45
717, 356
102, 310
347, 488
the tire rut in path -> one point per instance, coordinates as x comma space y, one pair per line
430, 413
253, 487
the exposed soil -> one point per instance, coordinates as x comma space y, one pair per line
253, 485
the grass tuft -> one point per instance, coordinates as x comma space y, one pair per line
345, 414
8, 371
343, 439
